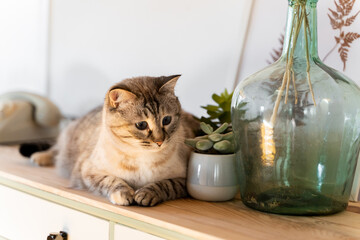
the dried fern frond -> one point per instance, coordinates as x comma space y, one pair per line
276, 53
338, 20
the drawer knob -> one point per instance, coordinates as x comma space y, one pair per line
57, 236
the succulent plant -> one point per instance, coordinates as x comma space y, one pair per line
219, 112
219, 141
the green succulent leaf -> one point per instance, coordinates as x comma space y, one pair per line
212, 108
191, 142
224, 146
218, 99
213, 124
226, 106
220, 112
222, 128
229, 136
213, 114
206, 128
204, 145
215, 137
225, 117
202, 137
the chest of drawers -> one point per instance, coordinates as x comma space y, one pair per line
35, 201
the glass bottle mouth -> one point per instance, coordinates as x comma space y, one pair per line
295, 8
292, 2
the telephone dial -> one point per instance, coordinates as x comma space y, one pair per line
27, 117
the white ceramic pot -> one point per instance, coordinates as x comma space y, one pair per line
212, 177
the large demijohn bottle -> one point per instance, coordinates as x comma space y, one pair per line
297, 127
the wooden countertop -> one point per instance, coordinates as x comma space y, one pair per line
195, 219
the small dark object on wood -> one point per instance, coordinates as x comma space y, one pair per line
27, 149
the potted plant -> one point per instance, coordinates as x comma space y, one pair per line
211, 170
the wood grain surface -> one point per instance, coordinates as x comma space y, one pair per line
197, 219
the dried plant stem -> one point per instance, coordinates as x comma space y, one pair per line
300, 18
287, 86
288, 68
278, 99
328, 54
306, 30
294, 85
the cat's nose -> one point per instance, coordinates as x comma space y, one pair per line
159, 143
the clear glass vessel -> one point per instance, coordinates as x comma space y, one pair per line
297, 157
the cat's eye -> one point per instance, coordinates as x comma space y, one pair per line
141, 125
166, 120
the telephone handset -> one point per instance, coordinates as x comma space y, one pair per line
26, 117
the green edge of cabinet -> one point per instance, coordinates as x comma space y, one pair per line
111, 230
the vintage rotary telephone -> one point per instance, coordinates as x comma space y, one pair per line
27, 117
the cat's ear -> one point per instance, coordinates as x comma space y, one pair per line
119, 95
169, 84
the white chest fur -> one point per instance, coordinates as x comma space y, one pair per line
138, 167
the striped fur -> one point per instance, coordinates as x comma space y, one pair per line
154, 193
107, 153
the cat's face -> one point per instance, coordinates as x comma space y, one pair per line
144, 112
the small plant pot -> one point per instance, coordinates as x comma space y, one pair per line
212, 177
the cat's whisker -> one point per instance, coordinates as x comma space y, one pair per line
125, 136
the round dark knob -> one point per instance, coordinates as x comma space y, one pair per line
57, 236
64, 235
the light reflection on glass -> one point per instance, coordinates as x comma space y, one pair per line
320, 170
267, 144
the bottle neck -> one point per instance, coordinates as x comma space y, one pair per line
304, 39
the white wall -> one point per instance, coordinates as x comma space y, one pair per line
268, 21
95, 43
99, 42
23, 45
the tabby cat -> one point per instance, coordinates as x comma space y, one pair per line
132, 148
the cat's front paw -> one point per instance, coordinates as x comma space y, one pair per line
124, 196
147, 197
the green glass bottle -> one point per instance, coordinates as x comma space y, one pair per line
297, 127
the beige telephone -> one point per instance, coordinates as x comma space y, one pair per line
26, 117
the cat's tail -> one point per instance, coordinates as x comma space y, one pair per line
45, 158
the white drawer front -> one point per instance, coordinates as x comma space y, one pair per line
25, 217
123, 232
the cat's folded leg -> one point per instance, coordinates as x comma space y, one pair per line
154, 193
114, 188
